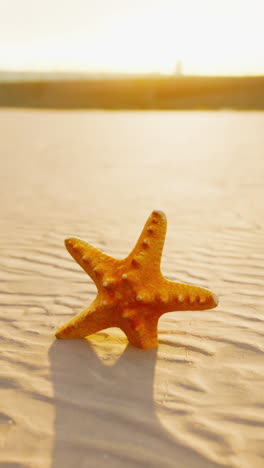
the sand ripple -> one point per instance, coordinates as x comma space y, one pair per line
197, 400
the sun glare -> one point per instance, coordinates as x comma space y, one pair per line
208, 37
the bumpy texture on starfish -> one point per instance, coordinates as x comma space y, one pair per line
132, 293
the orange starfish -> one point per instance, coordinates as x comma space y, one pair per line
132, 293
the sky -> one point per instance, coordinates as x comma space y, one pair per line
209, 37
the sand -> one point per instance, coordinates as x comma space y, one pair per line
197, 400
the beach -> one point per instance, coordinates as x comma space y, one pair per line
197, 399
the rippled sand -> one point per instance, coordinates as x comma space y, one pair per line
197, 400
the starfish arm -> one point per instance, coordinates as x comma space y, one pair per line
87, 322
140, 328
181, 296
92, 260
148, 249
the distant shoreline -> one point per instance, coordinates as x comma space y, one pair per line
144, 92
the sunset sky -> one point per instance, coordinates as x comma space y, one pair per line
139, 36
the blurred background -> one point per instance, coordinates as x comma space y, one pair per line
69, 169
142, 54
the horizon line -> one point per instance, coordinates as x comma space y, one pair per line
102, 73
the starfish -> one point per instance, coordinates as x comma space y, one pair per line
132, 293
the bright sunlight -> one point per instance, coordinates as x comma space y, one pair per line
133, 36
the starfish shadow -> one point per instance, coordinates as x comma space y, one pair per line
106, 414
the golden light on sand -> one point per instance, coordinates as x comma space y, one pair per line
219, 37
197, 399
